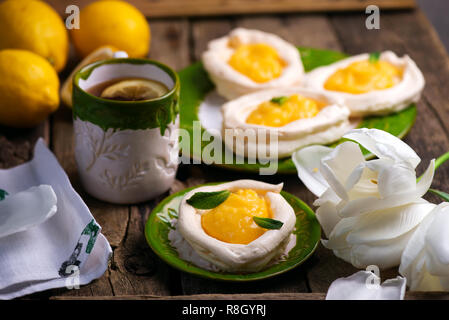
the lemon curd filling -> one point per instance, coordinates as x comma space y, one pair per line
275, 114
259, 62
364, 76
232, 221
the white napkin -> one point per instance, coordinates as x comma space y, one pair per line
26, 209
65, 250
365, 285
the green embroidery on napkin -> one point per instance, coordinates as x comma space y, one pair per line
3, 194
92, 231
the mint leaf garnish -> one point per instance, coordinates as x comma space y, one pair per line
268, 223
279, 100
208, 200
374, 57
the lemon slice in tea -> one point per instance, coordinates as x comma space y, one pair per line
134, 90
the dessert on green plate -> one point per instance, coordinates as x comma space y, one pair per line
175, 232
204, 108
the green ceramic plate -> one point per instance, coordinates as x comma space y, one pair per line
307, 233
196, 85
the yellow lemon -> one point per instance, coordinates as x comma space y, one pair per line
28, 88
115, 23
102, 53
34, 25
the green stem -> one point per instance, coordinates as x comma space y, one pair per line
441, 159
441, 194
438, 162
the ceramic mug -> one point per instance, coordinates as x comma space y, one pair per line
125, 150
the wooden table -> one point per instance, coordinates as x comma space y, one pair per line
135, 271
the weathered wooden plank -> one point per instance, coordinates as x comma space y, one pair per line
133, 269
111, 218
205, 30
262, 296
138, 269
398, 34
135, 272
313, 31
323, 267
170, 8
293, 281
300, 30
16, 145
170, 42
410, 33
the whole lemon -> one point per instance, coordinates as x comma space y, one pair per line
34, 25
115, 23
28, 88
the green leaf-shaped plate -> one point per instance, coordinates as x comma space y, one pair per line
308, 233
195, 85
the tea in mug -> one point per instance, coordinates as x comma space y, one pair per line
129, 89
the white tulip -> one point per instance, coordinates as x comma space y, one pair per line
367, 209
425, 261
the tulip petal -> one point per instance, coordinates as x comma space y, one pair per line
339, 164
399, 177
428, 282
417, 271
424, 260
388, 224
328, 217
337, 238
384, 254
378, 164
437, 242
415, 250
369, 204
307, 161
384, 145
328, 196
362, 183
365, 285
426, 179
344, 254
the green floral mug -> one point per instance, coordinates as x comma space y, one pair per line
126, 151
